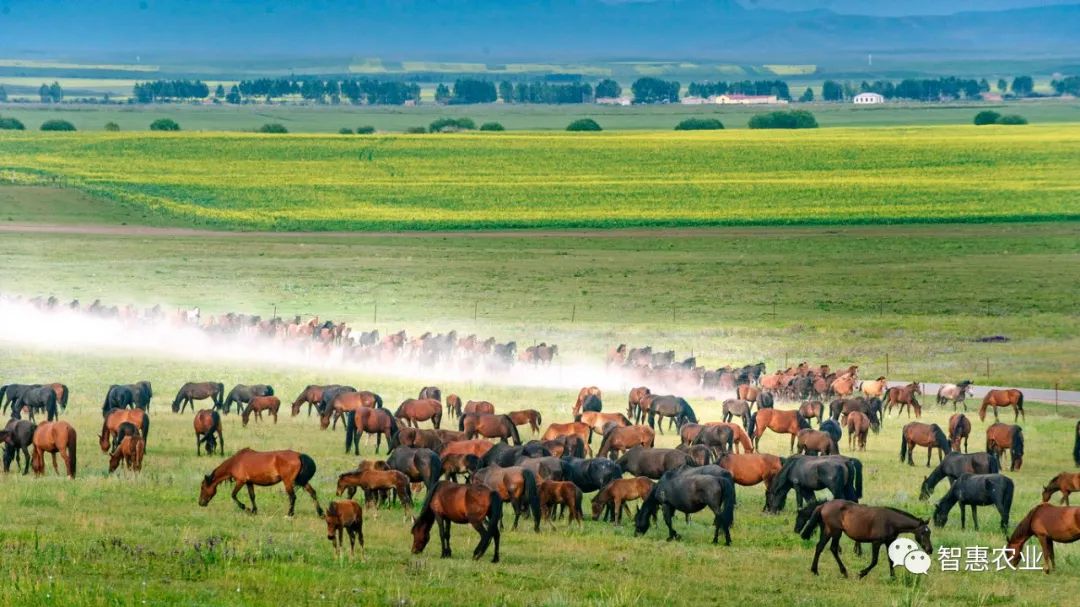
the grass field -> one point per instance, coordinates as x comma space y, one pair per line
828, 176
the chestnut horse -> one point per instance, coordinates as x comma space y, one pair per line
1000, 437
959, 430
1050, 524
343, 399
924, 435
448, 503
312, 396
208, 422
373, 482
811, 409
582, 395
527, 416
633, 407
748, 469
371, 421
192, 391
842, 387
904, 396
54, 437
490, 426
816, 442
858, 427
263, 468
412, 411
258, 404
130, 451
515, 485
345, 515
779, 421
478, 447
478, 406
111, 425
1066, 483
620, 438
556, 493
598, 421
612, 497
1003, 398
453, 405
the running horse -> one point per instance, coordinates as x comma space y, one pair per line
1050, 524
191, 392
447, 503
904, 396
923, 435
1003, 398
248, 468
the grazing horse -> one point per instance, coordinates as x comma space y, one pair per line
590, 474
478, 406
1050, 524
620, 438
781, 422
841, 476
560, 493
13, 392
611, 499
651, 462
453, 405
415, 437
37, 398
957, 393
527, 416
957, 464
191, 392
515, 485
749, 469
430, 392
923, 435
55, 437
459, 463
1066, 483
816, 442
1000, 437
690, 493
878, 526
207, 422
477, 447
977, 490
257, 405
263, 468
111, 426
130, 451
448, 503
1003, 398
17, 436
584, 394
420, 465
489, 426
371, 421
345, 516
673, 407
858, 426
242, 395
118, 397
633, 406
312, 396
719, 438
598, 421
412, 411
904, 396
571, 445
734, 407
374, 482
959, 430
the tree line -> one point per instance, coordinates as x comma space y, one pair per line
744, 87
927, 89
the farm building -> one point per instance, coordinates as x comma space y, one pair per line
868, 99
613, 100
747, 99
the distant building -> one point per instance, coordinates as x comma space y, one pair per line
613, 100
868, 99
747, 99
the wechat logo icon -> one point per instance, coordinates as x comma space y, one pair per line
905, 553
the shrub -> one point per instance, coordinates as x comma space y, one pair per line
699, 124
112, 127
793, 119
365, 130
1012, 119
57, 125
450, 125
584, 124
492, 126
345, 131
164, 124
415, 130
273, 127
986, 117
11, 124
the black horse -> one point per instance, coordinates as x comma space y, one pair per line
841, 475
690, 492
504, 455
977, 490
591, 403
957, 464
13, 392
674, 407
118, 397
652, 462
141, 392
420, 465
870, 407
590, 474
17, 436
37, 399
832, 428
242, 395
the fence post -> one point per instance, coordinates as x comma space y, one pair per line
987, 367
886, 364
1056, 412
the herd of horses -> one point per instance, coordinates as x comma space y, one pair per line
549, 475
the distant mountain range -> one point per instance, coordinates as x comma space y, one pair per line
503, 30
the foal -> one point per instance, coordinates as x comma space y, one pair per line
341, 516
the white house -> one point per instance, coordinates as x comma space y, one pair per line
868, 99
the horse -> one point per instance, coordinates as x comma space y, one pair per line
62, 393
858, 426
376, 481
143, 391
583, 394
191, 392
263, 468
515, 485
1066, 483
489, 426
957, 464
430, 393
741, 440
741, 408
372, 421
566, 445
841, 476
718, 437
874, 387
690, 493
673, 407
478, 406
781, 422
878, 526
17, 436
37, 398
415, 437
1076, 445
477, 447
590, 474
816, 442
13, 392
258, 404
412, 411
1003, 398
343, 399
55, 437
842, 386
207, 422
130, 451
111, 425
1050, 524
345, 516
420, 465
527, 416
957, 393
633, 406
620, 438
904, 396
749, 469
977, 490
612, 497
118, 397
453, 405
241, 395
448, 503
839, 410
651, 462
560, 493
1000, 437
312, 396
460, 463
598, 421
924, 435
811, 409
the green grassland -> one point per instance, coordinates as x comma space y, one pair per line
561, 180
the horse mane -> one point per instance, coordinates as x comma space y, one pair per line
942, 440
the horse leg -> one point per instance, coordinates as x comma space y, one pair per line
824, 539
1048, 553
26, 462
237, 486
1064, 496
835, 549
873, 559
55, 467
311, 491
963, 516
251, 495
669, 514
444, 535
929, 454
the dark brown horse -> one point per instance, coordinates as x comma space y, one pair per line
779, 421
959, 430
207, 423
864, 524
312, 396
489, 426
742, 409
258, 404
412, 411
453, 405
1066, 483
112, 421
448, 503
1050, 524
345, 515
55, 437
249, 468
741, 438
816, 442
527, 416
370, 421
192, 391
1000, 437
812, 409
904, 396
1003, 398
923, 435
416, 437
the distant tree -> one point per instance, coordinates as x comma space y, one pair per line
655, 90
345, 131
1002, 85
234, 96
608, 88
55, 92
219, 92
365, 130
3, 94
1023, 86
492, 126
584, 124
273, 127
450, 125
832, 91
984, 86
442, 94
43, 92
164, 124
986, 117
11, 124
699, 124
1012, 119
467, 91
112, 127
807, 96
506, 91
794, 119
1070, 85
57, 125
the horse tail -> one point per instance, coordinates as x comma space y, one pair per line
1006, 502
436, 470
220, 394
727, 513
350, 429
514, 435
378, 401
3, 390
461, 423
903, 446
857, 478
1020, 402
209, 434
812, 524
63, 396
532, 494
73, 452
995, 464
1076, 445
145, 426
307, 470
494, 519
1017, 449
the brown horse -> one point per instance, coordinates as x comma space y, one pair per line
584, 393
311, 395
193, 391
1003, 398
620, 438
741, 438
1066, 483
874, 387
449, 503
490, 426
376, 481
923, 435
779, 421
263, 468
878, 526
633, 407
1050, 524
568, 429
564, 493
1000, 437
109, 427
959, 430
416, 437
208, 422
345, 515
842, 387
54, 437
902, 396
459, 463
345, 401
414, 410
258, 404
748, 469
370, 421
515, 485
612, 498
479, 406
598, 421
858, 427
816, 442
453, 405
747, 392
130, 451
811, 409
527, 416
478, 447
